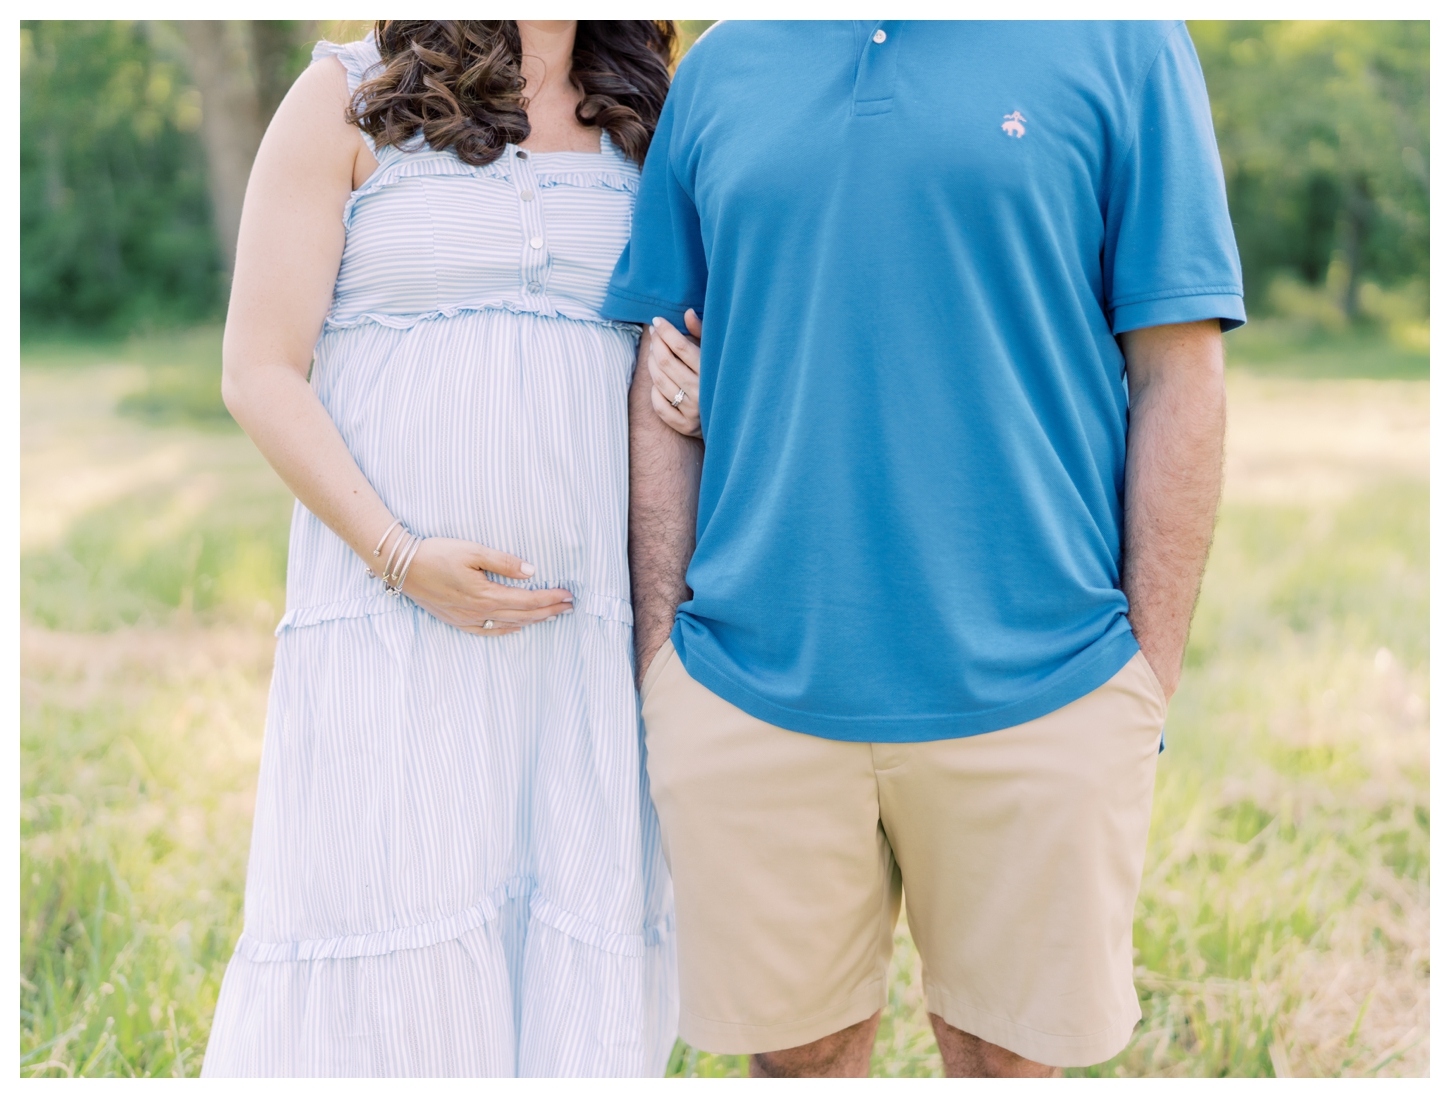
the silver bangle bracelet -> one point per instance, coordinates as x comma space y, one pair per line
403, 552
399, 535
407, 563
371, 569
395, 555
383, 540
403, 548
393, 579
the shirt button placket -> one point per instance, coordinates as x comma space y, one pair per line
534, 264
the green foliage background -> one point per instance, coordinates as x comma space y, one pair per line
1323, 129
115, 229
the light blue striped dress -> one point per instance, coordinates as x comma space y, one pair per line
455, 865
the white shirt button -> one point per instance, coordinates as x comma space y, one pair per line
535, 287
879, 37
536, 242
527, 196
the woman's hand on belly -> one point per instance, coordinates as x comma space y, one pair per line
448, 578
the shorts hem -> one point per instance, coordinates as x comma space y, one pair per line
1056, 1049
737, 1038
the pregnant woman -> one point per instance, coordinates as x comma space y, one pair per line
455, 866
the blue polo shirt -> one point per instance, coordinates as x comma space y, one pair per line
912, 245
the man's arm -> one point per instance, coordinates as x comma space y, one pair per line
1174, 474
664, 490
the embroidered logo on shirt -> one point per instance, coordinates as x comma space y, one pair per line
1013, 124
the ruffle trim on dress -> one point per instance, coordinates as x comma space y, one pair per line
609, 178
585, 601
423, 935
404, 321
414, 160
303, 616
603, 606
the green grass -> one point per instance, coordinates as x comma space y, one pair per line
143, 671
1275, 347
1283, 921
1291, 821
136, 754
183, 371
151, 554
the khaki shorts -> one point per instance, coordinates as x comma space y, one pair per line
1020, 851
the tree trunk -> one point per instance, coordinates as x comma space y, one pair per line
231, 121
278, 59
1358, 212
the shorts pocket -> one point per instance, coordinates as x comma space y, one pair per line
1150, 684
656, 668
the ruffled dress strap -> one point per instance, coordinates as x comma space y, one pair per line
361, 60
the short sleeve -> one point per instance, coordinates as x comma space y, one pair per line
661, 271
1169, 255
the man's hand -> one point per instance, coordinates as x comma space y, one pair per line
664, 488
1174, 474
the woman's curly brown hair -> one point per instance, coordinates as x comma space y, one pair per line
458, 80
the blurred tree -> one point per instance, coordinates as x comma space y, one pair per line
243, 69
132, 172
1324, 129
282, 48
114, 220
231, 119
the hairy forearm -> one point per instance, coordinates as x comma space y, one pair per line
1173, 478
664, 488
278, 409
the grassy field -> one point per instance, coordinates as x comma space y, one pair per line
1283, 927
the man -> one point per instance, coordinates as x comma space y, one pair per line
942, 575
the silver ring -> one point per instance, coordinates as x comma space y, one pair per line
488, 623
678, 397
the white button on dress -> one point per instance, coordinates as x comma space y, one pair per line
879, 37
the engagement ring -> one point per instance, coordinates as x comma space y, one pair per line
678, 397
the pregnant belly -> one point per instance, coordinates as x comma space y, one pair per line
504, 429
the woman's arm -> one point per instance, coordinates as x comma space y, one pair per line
288, 253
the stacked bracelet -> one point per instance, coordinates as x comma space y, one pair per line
404, 547
417, 543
